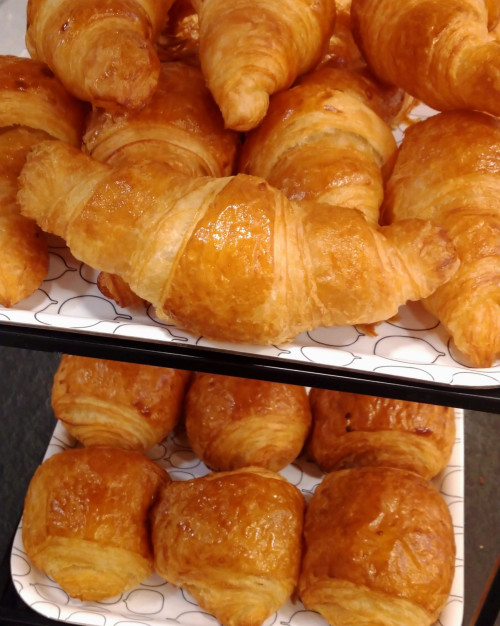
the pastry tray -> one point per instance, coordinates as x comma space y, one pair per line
156, 602
69, 313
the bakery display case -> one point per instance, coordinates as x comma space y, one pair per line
410, 356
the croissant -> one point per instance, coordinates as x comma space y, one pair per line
102, 50
250, 49
232, 540
24, 256
34, 106
86, 520
30, 95
325, 139
440, 52
122, 405
236, 422
379, 549
447, 172
180, 126
231, 258
343, 53
353, 430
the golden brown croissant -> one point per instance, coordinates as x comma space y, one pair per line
379, 549
343, 53
24, 258
325, 140
440, 52
448, 172
122, 405
30, 95
250, 49
102, 50
233, 540
86, 520
352, 430
180, 126
231, 258
237, 422
34, 106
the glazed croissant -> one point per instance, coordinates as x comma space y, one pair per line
447, 172
325, 139
102, 50
34, 106
231, 258
24, 257
31, 96
440, 52
180, 126
250, 49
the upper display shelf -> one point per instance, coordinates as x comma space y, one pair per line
411, 351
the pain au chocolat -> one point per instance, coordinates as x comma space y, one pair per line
86, 520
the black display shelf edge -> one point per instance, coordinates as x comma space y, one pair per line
199, 358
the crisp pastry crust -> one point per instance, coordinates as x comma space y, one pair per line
34, 106
110, 403
102, 50
447, 172
31, 96
440, 52
115, 288
238, 422
250, 49
326, 140
231, 258
24, 258
85, 520
379, 549
352, 430
342, 51
233, 540
180, 126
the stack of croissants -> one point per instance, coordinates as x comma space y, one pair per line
234, 165
372, 544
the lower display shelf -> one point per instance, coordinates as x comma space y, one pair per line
155, 602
